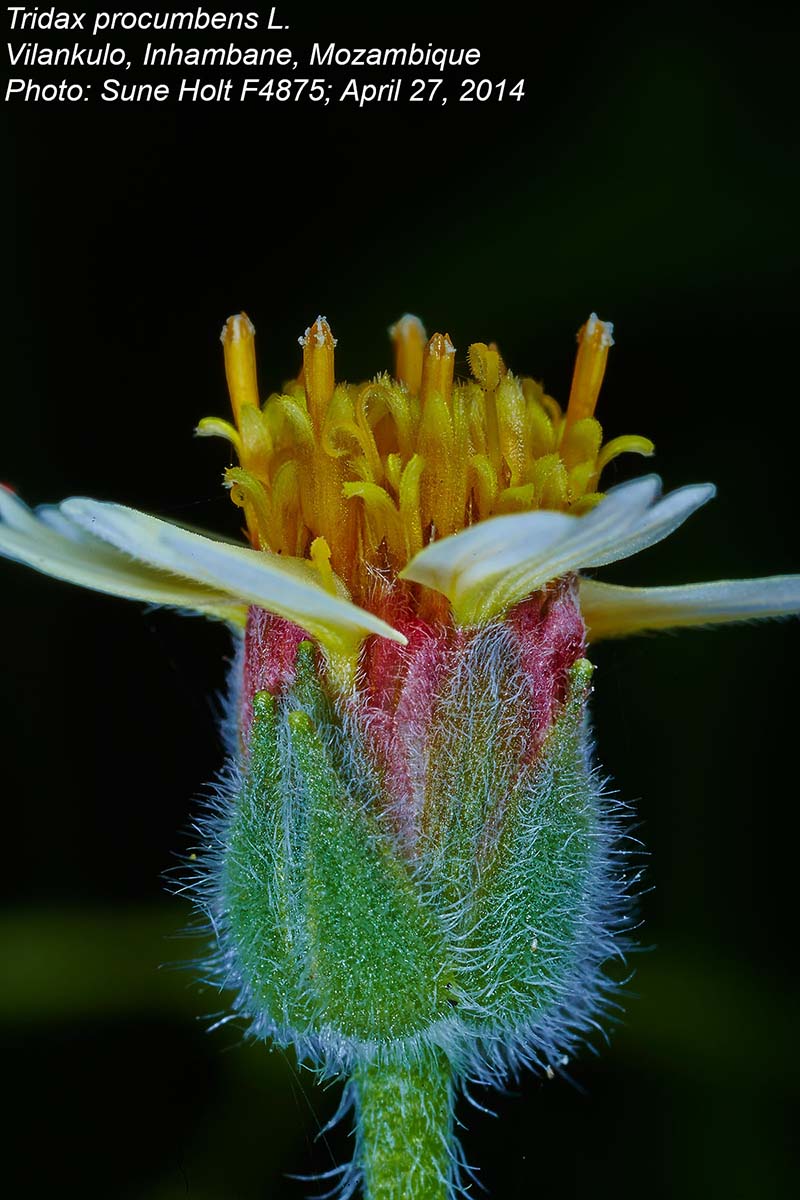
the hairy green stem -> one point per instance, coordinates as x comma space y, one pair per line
405, 1128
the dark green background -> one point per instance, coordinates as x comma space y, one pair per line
651, 174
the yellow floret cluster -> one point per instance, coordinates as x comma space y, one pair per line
362, 476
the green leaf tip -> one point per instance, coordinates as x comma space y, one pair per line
300, 723
263, 706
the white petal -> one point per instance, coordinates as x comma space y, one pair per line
288, 587
15, 514
665, 516
465, 561
611, 611
59, 522
485, 569
52, 545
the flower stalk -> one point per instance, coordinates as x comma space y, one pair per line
404, 1114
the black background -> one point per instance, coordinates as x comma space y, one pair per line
650, 174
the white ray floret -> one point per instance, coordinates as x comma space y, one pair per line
483, 570
50, 542
289, 587
118, 550
612, 611
487, 568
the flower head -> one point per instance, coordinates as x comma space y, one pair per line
481, 491
411, 870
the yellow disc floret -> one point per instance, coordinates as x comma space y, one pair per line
357, 477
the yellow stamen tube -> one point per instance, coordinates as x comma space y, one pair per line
318, 345
238, 339
594, 340
409, 338
438, 363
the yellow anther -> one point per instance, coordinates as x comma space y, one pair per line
238, 338
409, 338
318, 344
594, 340
438, 363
